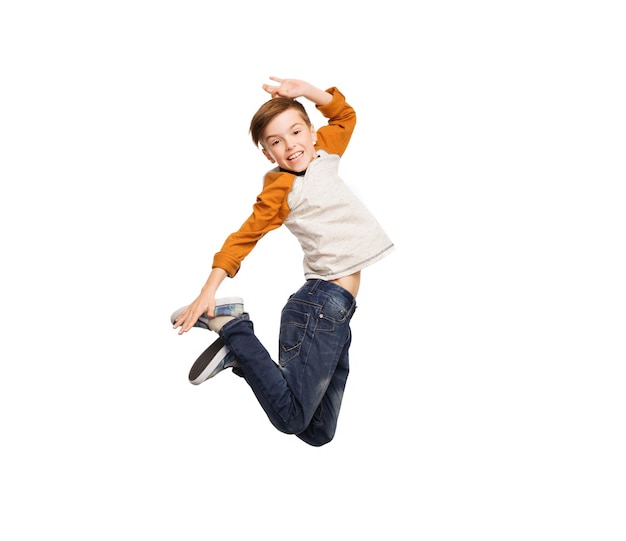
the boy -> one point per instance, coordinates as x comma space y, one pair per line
302, 393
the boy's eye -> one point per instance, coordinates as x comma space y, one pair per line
296, 132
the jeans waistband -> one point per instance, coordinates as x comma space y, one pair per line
329, 287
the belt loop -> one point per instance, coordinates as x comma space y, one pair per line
352, 309
314, 285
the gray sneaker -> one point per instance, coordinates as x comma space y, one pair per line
214, 359
228, 306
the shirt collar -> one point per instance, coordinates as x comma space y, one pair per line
300, 174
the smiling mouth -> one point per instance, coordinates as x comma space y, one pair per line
295, 156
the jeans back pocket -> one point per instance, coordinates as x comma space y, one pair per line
293, 327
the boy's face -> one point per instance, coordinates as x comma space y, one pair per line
289, 142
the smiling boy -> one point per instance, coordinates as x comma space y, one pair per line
302, 393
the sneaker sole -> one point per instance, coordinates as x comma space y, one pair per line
208, 361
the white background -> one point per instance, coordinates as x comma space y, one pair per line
486, 397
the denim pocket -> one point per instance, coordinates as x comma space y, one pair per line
332, 314
292, 332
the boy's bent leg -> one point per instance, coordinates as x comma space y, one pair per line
263, 375
314, 338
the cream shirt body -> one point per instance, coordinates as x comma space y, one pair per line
338, 234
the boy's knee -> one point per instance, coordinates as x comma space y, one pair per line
317, 436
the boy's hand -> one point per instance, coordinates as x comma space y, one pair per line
288, 88
293, 88
204, 304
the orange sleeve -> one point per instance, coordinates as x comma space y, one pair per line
335, 136
269, 212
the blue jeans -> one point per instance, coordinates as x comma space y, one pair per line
302, 393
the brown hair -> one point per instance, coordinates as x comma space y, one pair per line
271, 109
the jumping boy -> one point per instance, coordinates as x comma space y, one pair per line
302, 393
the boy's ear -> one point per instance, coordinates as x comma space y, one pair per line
268, 155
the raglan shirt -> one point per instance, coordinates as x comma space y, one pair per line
338, 234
